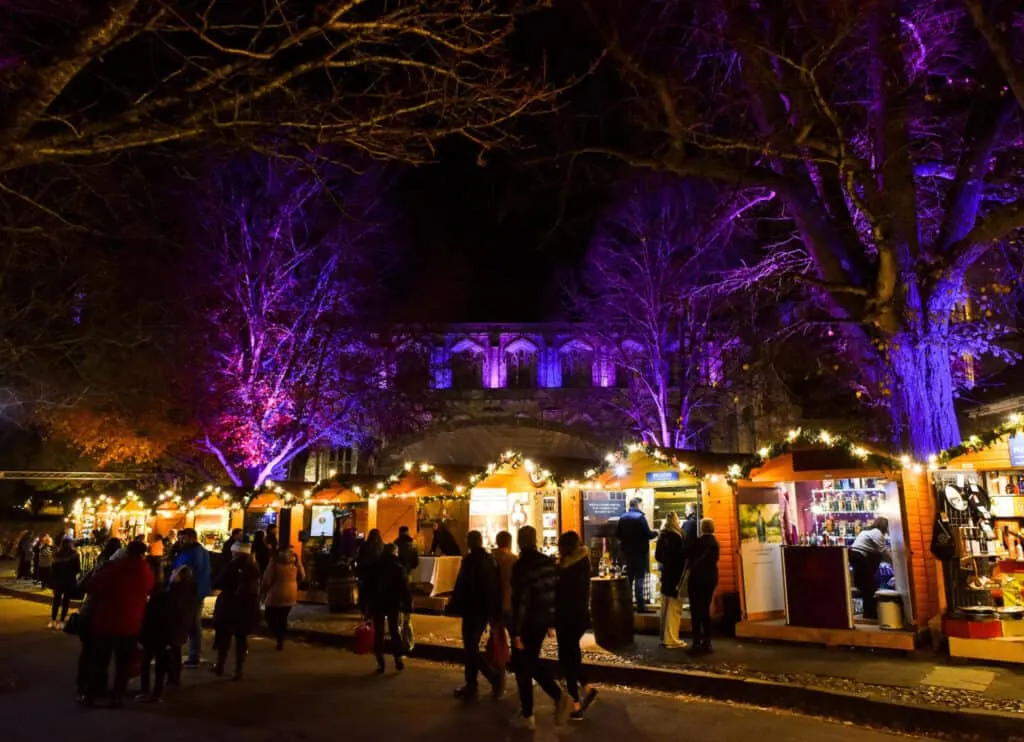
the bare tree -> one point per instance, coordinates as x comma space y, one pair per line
287, 255
888, 133
644, 291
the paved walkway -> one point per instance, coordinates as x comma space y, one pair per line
922, 678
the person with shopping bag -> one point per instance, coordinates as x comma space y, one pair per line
386, 597
477, 600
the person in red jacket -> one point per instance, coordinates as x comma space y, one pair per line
119, 592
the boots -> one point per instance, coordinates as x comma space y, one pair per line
222, 658
239, 663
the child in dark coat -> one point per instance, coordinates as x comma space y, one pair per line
169, 613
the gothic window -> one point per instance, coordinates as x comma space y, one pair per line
467, 367
412, 370
577, 360
521, 365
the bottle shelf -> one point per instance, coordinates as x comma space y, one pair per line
826, 513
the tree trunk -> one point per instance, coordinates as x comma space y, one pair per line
923, 413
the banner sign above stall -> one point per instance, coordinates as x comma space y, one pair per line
1017, 449
662, 476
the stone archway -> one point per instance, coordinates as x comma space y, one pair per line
479, 442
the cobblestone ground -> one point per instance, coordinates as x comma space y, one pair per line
308, 694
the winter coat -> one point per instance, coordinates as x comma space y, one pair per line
196, 558
476, 596
118, 595
385, 588
281, 580
572, 599
505, 560
261, 553
634, 534
237, 610
407, 552
534, 589
169, 614
703, 562
66, 570
445, 543
670, 554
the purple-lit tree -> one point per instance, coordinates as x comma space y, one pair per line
887, 131
644, 292
288, 254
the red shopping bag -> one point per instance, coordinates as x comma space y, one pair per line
497, 652
364, 639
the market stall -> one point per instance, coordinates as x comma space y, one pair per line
799, 512
91, 518
131, 517
979, 496
213, 513
512, 493
325, 510
169, 514
279, 506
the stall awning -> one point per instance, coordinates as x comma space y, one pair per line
336, 496
212, 502
812, 464
641, 470
514, 479
1005, 453
266, 500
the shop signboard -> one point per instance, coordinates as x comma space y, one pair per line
760, 531
654, 477
602, 507
322, 524
1017, 450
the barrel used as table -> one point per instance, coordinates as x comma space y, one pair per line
611, 612
342, 589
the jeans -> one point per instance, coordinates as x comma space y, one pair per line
472, 632
570, 659
636, 571
103, 648
277, 621
62, 601
671, 617
379, 617
222, 643
167, 661
865, 572
195, 636
700, 613
528, 667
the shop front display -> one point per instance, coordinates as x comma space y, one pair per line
822, 537
279, 507
514, 493
979, 532
91, 518
131, 518
169, 514
213, 514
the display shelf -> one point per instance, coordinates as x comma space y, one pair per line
824, 513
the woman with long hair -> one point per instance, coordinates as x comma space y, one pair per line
703, 564
280, 589
572, 618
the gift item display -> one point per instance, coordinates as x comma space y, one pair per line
841, 509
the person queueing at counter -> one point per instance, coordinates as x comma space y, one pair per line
635, 535
866, 554
444, 542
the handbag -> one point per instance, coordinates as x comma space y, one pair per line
364, 638
408, 637
496, 651
684, 584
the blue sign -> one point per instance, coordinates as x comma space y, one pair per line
662, 476
1017, 450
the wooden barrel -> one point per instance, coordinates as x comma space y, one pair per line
342, 589
611, 610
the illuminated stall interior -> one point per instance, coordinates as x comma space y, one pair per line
664, 485
213, 513
798, 514
276, 506
403, 497
979, 495
515, 492
90, 516
323, 508
169, 513
131, 517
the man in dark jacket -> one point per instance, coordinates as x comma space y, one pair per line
407, 549
534, 590
476, 599
635, 536
195, 556
387, 595
444, 542
234, 538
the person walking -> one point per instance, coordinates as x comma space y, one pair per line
506, 560
67, 565
670, 555
237, 611
84, 678
635, 536
280, 590
866, 555
260, 551
406, 546
24, 555
386, 595
477, 600
369, 553
703, 565
534, 589
164, 631
194, 555
44, 561
572, 618
119, 591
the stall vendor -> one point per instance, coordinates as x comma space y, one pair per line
866, 554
